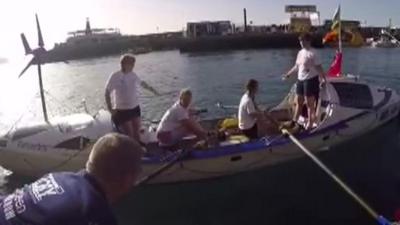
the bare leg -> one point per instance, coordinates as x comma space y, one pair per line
299, 106
126, 128
135, 127
310, 101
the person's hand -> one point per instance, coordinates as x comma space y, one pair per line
322, 84
285, 76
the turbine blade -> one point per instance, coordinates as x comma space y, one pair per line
26, 67
40, 37
27, 48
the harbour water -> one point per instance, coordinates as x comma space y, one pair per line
214, 77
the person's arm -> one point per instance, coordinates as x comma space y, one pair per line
149, 88
107, 93
195, 111
291, 71
318, 67
195, 128
294, 68
321, 72
253, 110
108, 100
256, 115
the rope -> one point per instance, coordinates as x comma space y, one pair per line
66, 108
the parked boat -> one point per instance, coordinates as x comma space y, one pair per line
385, 40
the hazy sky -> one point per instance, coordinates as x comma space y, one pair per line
144, 16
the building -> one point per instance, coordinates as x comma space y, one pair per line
346, 24
208, 28
301, 17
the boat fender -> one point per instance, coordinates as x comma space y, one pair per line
237, 139
230, 123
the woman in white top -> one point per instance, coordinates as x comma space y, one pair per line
178, 123
309, 69
249, 114
122, 97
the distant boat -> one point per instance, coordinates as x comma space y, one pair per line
385, 40
138, 50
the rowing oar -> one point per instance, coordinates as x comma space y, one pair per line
180, 155
381, 220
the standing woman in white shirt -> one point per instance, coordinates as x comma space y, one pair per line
309, 73
122, 97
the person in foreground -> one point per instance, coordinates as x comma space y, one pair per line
122, 97
82, 198
309, 70
178, 122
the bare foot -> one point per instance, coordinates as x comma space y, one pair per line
309, 126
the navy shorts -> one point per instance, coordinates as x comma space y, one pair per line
121, 116
309, 87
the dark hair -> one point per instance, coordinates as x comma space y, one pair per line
127, 58
251, 85
305, 37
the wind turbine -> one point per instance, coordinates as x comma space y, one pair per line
38, 54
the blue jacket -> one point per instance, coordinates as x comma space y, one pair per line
58, 199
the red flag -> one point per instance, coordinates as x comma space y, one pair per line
336, 67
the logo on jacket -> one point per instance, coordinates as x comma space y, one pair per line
46, 186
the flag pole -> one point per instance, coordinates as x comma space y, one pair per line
340, 30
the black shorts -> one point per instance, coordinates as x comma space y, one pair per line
121, 116
251, 133
309, 87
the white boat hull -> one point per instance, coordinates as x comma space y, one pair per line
26, 157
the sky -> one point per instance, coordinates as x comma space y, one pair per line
144, 16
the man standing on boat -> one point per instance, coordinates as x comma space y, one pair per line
81, 198
309, 70
122, 97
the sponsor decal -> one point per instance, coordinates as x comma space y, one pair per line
31, 146
14, 204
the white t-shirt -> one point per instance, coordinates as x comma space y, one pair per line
246, 107
172, 118
123, 88
306, 61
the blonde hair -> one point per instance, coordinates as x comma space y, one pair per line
185, 92
113, 157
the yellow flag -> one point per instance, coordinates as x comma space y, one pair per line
336, 19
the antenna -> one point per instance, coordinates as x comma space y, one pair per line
38, 54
